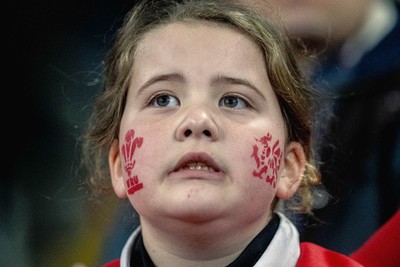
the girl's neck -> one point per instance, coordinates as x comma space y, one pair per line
215, 243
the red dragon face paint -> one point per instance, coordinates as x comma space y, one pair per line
128, 151
267, 158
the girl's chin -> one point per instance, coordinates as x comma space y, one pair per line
195, 210
193, 217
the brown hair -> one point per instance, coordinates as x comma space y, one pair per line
294, 95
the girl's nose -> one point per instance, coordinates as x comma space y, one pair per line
197, 123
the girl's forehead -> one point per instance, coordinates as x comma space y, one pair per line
196, 34
202, 43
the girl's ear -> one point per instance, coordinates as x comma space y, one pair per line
114, 163
292, 172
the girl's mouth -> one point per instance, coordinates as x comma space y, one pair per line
196, 164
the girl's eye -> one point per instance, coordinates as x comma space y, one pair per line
164, 100
232, 101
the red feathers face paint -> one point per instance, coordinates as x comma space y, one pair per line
128, 151
267, 155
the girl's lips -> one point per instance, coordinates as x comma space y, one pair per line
196, 165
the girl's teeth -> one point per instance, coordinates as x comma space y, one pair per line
198, 166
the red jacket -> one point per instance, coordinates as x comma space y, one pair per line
383, 247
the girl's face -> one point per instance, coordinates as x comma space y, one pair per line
202, 136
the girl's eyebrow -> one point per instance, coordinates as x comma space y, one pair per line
220, 79
223, 79
160, 78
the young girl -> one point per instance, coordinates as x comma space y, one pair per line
204, 125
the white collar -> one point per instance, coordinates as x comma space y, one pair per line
127, 250
283, 251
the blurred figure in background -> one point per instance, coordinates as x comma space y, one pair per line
358, 69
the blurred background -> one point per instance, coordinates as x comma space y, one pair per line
53, 69
54, 52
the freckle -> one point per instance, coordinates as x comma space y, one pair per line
188, 196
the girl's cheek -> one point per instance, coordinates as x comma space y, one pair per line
267, 155
130, 145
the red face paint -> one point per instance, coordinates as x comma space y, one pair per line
128, 151
267, 158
